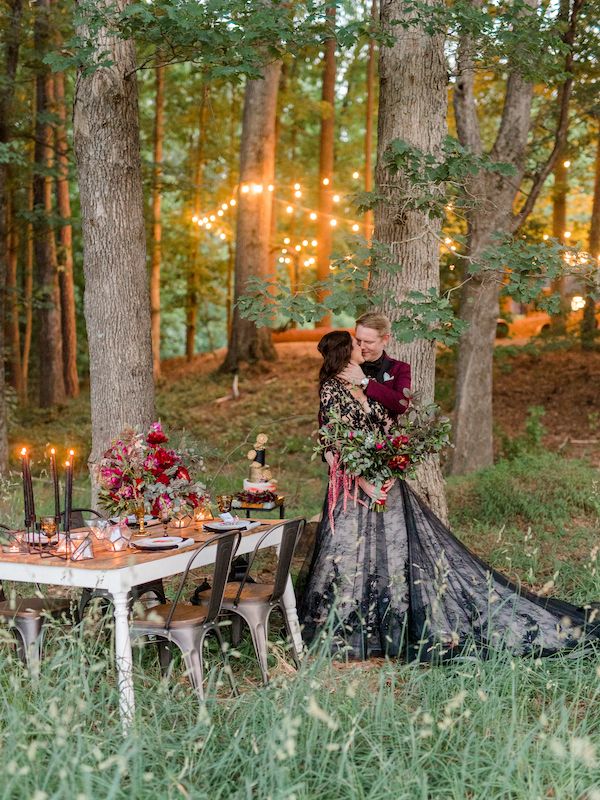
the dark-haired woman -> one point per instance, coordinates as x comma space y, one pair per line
399, 582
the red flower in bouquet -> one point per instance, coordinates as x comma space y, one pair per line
138, 470
401, 463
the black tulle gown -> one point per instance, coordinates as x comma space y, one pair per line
399, 583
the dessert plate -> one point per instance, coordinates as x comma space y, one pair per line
223, 527
158, 543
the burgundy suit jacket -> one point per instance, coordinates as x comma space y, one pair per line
388, 384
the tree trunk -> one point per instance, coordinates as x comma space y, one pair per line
193, 288
559, 228
159, 132
52, 384
588, 322
7, 91
28, 286
252, 254
412, 107
369, 117
325, 200
65, 253
117, 308
12, 300
494, 197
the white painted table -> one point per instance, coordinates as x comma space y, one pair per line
117, 573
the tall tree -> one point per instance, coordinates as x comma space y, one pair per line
65, 251
12, 299
50, 351
247, 342
494, 199
588, 323
193, 289
326, 156
158, 138
560, 193
412, 107
369, 117
117, 308
7, 90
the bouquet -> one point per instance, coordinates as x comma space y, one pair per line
379, 455
140, 473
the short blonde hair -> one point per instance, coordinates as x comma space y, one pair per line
376, 321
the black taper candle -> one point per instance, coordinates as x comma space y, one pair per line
27, 509
54, 474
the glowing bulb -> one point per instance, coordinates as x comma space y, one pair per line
297, 248
577, 303
212, 218
453, 248
289, 210
208, 226
566, 164
545, 237
224, 206
336, 198
205, 220
245, 189
222, 236
219, 213
567, 234
451, 267
297, 186
257, 188
270, 187
52, 451
298, 193
281, 260
314, 243
286, 240
312, 215
325, 181
307, 263
304, 242
284, 250
71, 453
355, 227
194, 218
232, 203
333, 222
447, 240
23, 451
288, 260
356, 175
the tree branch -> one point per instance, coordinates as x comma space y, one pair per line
562, 126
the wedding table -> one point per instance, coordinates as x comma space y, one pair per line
118, 572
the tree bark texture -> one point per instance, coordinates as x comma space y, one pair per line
28, 287
252, 252
326, 156
494, 198
117, 308
50, 351
12, 300
412, 107
369, 118
560, 192
65, 251
193, 279
588, 323
7, 91
159, 133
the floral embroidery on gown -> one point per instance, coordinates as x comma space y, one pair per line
400, 583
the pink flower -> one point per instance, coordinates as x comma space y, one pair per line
379, 446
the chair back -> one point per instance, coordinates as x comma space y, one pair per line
77, 518
227, 544
292, 530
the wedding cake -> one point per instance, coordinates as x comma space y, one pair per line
260, 487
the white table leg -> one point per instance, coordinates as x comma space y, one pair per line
124, 657
289, 603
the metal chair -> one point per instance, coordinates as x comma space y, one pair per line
25, 616
254, 602
87, 595
187, 626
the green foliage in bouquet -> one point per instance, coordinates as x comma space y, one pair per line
377, 455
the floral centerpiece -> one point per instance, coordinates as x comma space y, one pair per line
377, 455
140, 474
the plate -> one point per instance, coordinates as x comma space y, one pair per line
223, 527
36, 538
158, 543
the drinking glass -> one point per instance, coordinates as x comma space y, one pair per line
48, 526
224, 502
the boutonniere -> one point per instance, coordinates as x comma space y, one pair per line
387, 377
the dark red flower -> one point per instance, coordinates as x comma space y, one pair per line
183, 474
164, 479
399, 462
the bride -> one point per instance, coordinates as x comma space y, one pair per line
399, 582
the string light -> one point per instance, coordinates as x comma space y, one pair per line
545, 237
270, 187
290, 210
212, 218
245, 189
314, 243
298, 193
220, 213
297, 187
224, 206
297, 248
333, 222
336, 198
325, 181
566, 164
232, 202
257, 188
355, 227
447, 240
286, 240
194, 218
305, 243
222, 236
567, 234
356, 175
312, 215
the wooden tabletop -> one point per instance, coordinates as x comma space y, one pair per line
106, 558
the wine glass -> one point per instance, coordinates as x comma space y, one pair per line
48, 526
